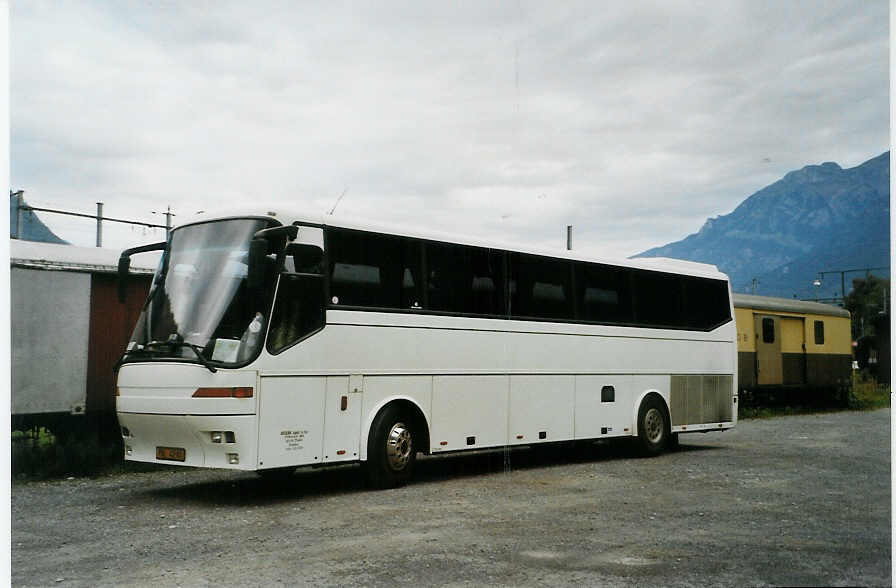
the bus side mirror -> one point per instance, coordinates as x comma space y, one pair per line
124, 266
265, 241
258, 252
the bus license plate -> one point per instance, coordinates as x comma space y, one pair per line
171, 453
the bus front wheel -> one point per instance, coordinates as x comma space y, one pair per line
653, 426
391, 451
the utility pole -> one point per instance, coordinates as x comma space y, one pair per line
168, 214
754, 282
569, 237
99, 224
20, 198
843, 273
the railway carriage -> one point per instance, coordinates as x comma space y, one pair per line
793, 344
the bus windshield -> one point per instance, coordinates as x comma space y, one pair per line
200, 306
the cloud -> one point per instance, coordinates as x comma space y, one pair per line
632, 121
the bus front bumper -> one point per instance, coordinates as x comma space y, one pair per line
209, 441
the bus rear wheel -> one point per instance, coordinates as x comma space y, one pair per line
391, 451
653, 426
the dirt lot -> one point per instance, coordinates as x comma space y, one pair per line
783, 501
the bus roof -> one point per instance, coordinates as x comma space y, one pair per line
51, 256
286, 216
787, 305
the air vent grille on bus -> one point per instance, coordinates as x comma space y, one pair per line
700, 399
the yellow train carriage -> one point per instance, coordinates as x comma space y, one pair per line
783, 342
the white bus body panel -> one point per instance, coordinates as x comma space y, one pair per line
157, 408
541, 409
492, 380
477, 382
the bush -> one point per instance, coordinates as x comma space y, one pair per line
866, 394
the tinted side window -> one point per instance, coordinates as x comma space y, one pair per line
540, 287
464, 279
603, 293
298, 310
705, 303
373, 270
768, 330
819, 332
657, 299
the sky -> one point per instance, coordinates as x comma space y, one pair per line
632, 121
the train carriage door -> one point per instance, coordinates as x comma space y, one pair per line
793, 350
768, 350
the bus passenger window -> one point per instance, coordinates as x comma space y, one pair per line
768, 330
819, 332
298, 310
541, 287
373, 270
464, 279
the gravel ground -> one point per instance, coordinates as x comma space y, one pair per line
784, 501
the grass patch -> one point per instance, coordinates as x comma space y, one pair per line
866, 393
765, 412
37, 454
863, 393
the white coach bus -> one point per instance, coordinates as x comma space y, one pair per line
272, 341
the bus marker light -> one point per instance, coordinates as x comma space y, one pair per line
127, 449
340, 452
245, 392
233, 458
519, 436
443, 443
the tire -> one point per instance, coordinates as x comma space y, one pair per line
653, 426
391, 449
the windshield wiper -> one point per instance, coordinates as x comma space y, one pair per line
202, 360
178, 344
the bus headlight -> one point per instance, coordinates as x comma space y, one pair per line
217, 437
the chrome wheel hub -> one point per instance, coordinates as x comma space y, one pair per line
398, 446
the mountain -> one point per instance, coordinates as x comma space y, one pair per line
33, 229
820, 218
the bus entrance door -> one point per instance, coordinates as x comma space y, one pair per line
769, 366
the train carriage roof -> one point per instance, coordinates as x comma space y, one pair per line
786, 305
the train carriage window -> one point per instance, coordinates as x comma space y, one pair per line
819, 332
374, 270
768, 330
